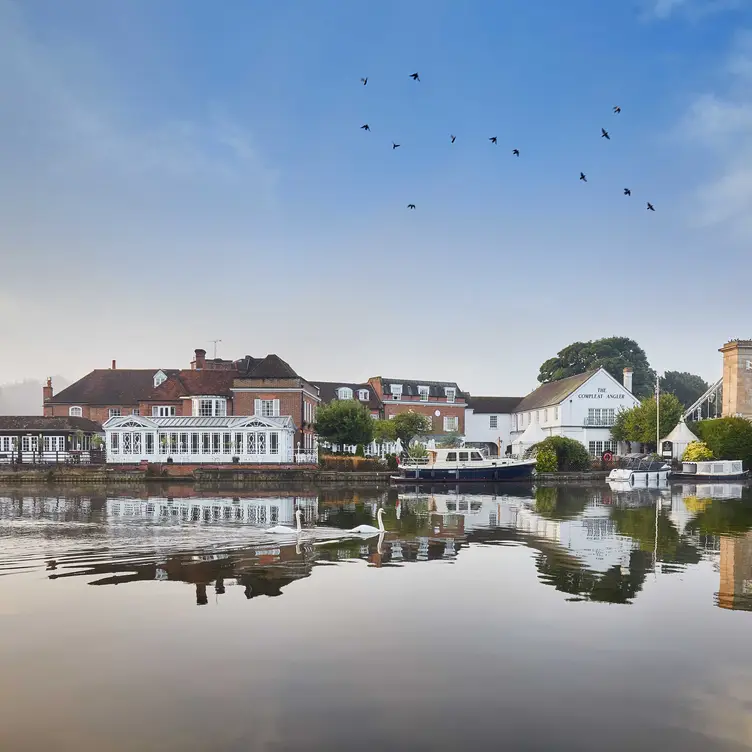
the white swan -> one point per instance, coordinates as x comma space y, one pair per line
284, 529
370, 529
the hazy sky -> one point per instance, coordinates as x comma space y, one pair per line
177, 171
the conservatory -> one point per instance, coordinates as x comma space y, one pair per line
195, 439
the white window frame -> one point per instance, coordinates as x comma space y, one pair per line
75, 412
344, 393
162, 411
209, 407
267, 408
396, 391
424, 393
493, 421
159, 378
115, 412
451, 423
451, 393
364, 395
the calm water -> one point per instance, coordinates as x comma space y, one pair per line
503, 618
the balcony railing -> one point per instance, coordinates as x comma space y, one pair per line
598, 422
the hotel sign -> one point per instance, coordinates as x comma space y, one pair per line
601, 393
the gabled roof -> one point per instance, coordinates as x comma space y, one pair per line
270, 367
121, 386
410, 387
499, 405
42, 424
554, 392
188, 422
328, 392
191, 382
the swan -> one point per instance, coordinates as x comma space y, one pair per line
284, 529
370, 529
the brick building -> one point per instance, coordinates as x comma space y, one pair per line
329, 391
442, 402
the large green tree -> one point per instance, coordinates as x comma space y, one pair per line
727, 438
345, 422
612, 353
687, 387
410, 424
638, 423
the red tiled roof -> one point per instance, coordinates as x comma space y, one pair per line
189, 383
121, 386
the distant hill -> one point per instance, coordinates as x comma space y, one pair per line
25, 397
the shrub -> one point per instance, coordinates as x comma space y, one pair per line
546, 460
570, 454
391, 462
351, 464
697, 451
728, 438
359, 451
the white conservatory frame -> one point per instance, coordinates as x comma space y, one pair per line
193, 439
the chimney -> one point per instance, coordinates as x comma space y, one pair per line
47, 390
199, 362
114, 365
628, 379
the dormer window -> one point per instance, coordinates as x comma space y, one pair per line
345, 393
209, 407
451, 393
396, 390
423, 392
75, 412
159, 378
363, 395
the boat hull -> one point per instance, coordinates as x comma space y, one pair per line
466, 474
709, 476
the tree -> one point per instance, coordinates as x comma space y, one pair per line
384, 431
687, 387
570, 454
408, 425
451, 440
638, 423
612, 353
728, 438
345, 422
697, 451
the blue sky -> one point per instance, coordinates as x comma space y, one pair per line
180, 171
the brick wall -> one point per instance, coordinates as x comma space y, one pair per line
92, 412
447, 410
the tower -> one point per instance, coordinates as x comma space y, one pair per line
737, 378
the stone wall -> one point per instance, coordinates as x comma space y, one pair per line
737, 378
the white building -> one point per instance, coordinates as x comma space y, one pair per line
197, 439
488, 422
581, 407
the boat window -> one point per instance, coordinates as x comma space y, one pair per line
451, 457
463, 456
476, 457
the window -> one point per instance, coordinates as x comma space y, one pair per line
251, 443
556, 413
451, 393
396, 390
215, 443
476, 457
451, 457
226, 443
261, 443
364, 395
493, 421
162, 411
205, 443
545, 415
273, 442
463, 456
4, 443
424, 392
173, 443
115, 412
149, 443
115, 443
538, 415
127, 443
268, 408
159, 378
163, 443
75, 412
345, 393
135, 411
194, 443
451, 423
183, 443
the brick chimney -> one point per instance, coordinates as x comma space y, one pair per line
628, 379
199, 362
47, 390
114, 365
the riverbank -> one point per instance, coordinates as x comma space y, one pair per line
282, 477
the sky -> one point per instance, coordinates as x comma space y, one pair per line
177, 172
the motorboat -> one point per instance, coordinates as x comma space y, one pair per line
463, 464
711, 470
641, 468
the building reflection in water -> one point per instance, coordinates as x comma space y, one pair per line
594, 543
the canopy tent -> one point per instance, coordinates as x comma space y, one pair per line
533, 434
680, 437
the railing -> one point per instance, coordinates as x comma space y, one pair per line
598, 422
306, 457
71, 457
416, 461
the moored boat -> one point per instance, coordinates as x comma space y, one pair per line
711, 470
458, 465
639, 469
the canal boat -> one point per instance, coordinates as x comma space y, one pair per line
711, 470
460, 465
640, 468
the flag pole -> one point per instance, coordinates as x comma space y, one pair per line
657, 414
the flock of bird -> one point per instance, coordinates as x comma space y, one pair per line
494, 140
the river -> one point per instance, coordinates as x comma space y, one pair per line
520, 618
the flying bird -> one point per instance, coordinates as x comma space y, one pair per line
415, 77
516, 152
617, 109
395, 146
365, 127
454, 138
627, 192
364, 81
650, 207
583, 177
604, 134
411, 206
492, 139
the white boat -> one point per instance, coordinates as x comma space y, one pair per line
712, 470
640, 469
463, 464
